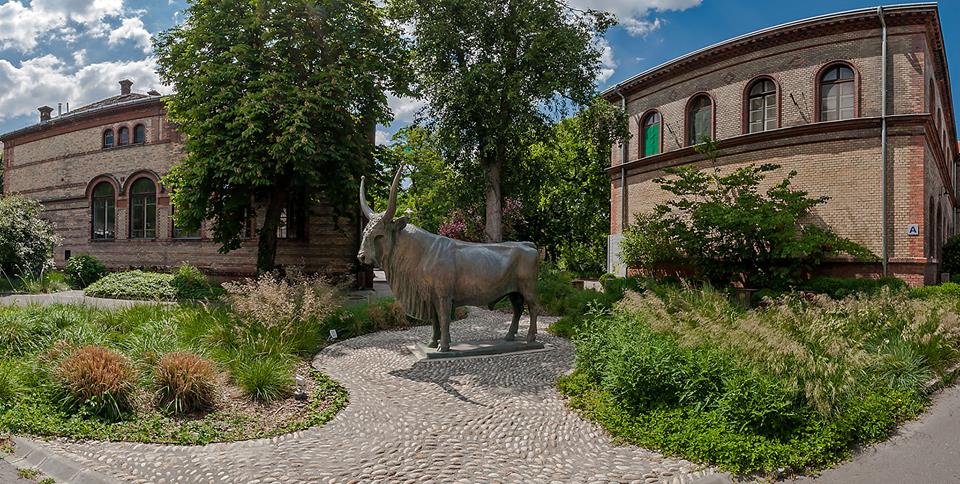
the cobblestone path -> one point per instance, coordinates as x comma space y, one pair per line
490, 419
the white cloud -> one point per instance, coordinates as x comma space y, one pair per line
383, 137
131, 29
637, 16
608, 65
80, 57
22, 25
405, 109
47, 80
641, 27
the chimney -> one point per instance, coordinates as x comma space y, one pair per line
125, 87
45, 113
59, 109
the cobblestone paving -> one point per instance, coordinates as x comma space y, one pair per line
492, 419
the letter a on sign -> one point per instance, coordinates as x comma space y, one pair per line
913, 230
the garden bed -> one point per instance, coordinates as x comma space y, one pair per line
790, 388
178, 374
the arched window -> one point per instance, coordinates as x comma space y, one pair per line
699, 119
931, 97
143, 209
650, 139
108, 138
103, 215
762, 106
124, 135
930, 231
837, 93
139, 134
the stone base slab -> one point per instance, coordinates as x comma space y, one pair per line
487, 347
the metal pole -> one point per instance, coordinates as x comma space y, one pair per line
883, 141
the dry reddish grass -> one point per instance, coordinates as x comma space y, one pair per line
185, 382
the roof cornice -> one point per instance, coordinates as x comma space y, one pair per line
859, 19
80, 115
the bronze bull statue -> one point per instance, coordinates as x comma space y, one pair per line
431, 275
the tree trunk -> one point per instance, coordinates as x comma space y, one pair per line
493, 229
267, 247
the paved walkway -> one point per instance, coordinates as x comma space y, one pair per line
489, 419
926, 450
71, 297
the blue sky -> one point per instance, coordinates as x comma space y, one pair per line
75, 51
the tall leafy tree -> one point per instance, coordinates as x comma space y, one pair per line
495, 71
276, 98
565, 189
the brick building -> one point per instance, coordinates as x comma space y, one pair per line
858, 103
97, 171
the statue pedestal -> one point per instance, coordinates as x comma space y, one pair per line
490, 347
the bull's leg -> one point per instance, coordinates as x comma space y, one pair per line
435, 341
534, 308
443, 313
517, 300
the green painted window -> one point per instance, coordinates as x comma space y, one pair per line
651, 135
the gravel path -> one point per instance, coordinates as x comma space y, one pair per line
488, 419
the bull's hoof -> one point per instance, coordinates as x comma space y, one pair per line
443, 349
510, 337
433, 344
531, 338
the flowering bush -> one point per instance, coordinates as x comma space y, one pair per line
26, 240
468, 224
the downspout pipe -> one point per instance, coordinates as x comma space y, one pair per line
883, 143
624, 152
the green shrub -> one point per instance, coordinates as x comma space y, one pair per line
948, 289
839, 288
265, 379
190, 283
951, 255
796, 385
729, 229
185, 382
149, 286
83, 270
97, 380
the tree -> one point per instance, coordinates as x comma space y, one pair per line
496, 71
565, 189
730, 231
276, 99
26, 240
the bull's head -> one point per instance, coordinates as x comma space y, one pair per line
381, 231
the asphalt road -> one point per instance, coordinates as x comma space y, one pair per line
926, 450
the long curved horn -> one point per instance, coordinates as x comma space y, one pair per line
367, 211
392, 203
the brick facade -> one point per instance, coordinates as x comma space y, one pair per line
839, 159
60, 161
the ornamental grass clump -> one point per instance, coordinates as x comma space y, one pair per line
185, 383
97, 380
276, 316
265, 379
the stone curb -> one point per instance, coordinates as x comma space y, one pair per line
29, 453
721, 478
